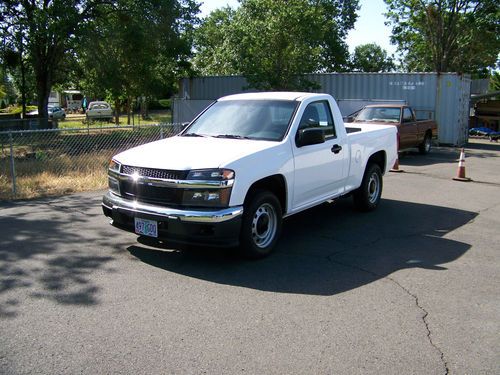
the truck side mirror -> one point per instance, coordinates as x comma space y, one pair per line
310, 136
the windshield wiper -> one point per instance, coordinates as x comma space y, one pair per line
193, 135
231, 136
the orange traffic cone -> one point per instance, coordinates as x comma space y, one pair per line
395, 168
461, 168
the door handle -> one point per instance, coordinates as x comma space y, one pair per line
336, 149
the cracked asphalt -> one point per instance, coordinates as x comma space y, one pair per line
411, 288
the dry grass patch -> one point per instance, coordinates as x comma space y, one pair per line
56, 175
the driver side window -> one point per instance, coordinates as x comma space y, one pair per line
407, 115
316, 115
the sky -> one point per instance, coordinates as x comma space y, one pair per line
369, 27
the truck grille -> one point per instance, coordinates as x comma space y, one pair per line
151, 194
155, 173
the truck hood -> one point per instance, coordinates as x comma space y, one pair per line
184, 153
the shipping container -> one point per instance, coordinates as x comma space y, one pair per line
443, 97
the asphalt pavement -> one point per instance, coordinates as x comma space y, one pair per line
411, 288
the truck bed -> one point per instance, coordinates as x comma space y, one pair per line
369, 139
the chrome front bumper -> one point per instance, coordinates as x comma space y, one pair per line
112, 201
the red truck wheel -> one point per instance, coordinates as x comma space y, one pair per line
425, 146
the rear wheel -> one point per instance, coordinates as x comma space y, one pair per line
425, 146
367, 196
261, 225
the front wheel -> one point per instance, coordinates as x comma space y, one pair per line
425, 146
261, 224
367, 196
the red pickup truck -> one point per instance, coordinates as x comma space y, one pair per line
411, 132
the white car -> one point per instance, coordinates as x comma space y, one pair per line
99, 111
244, 164
53, 111
56, 112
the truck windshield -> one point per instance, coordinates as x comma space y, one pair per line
385, 114
245, 119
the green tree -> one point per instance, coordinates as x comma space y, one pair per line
7, 88
371, 58
273, 43
44, 34
15, 59
138, 49
214, 51
494, 82
446, 35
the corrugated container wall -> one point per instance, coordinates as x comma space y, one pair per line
443, 97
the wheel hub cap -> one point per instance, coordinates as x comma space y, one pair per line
373, 188
264, 225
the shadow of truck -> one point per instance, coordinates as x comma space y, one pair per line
329, 249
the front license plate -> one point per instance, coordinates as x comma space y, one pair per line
146, 227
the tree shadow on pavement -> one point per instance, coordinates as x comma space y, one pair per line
329, 249
43, 252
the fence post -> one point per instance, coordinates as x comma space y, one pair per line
161, 131
12, 166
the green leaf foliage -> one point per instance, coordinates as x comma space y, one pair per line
39, 38
446, 35
138, 49
371, 58
274, 42
494, 82
117, 48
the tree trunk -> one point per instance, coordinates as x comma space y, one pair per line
144, 107
43, 92
117, 112
128, 110
143, 112
23, 84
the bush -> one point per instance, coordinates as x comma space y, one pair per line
16, 109
161, 104
165, 103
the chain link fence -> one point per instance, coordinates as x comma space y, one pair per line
36, 163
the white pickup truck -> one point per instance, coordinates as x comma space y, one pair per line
245, 163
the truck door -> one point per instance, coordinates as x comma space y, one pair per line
407, 130
320, 169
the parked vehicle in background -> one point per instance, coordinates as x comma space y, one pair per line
411, 132
54, 112
244, 164
99, 111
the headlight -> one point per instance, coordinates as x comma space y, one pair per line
209, 197
114, 185
206, 197
211, 174
113, 170
114, 166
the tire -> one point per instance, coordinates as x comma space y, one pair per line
261, 225
367, 196
425, 146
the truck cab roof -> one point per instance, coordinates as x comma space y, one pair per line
280, 95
